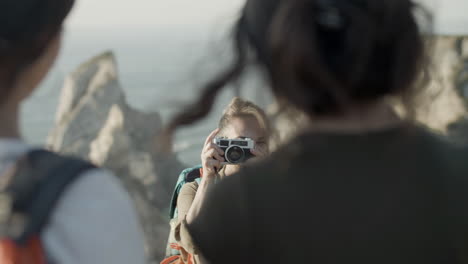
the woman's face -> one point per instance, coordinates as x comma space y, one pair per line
246, 127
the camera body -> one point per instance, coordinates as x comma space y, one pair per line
236, 151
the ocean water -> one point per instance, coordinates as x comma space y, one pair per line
160, 69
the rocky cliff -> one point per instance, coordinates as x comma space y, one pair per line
453, 73
444, 101
95, 122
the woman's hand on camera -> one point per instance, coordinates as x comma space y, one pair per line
259, 151
212, 156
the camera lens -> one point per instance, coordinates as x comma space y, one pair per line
235, 154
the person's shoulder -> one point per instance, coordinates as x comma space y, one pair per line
448, 157
189, 187
99, 188
96, 207
103, 180
447, 149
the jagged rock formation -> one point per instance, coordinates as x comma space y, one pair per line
458, 130
95, 122
444, 99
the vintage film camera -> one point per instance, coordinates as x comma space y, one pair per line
236, 151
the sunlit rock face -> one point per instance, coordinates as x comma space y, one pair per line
444, 99
94, 121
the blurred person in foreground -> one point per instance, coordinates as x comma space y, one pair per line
92, 220
242, 136
360, 184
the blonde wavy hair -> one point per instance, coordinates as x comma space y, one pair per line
239, 108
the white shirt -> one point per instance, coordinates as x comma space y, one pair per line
94, 221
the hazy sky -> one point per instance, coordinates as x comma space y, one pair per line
451, 15
108, 13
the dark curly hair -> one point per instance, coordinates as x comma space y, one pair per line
26, 29
323, 56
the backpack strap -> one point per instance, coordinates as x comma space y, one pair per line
187, 175
30, 193
193, 176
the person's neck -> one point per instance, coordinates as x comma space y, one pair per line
373, 117
9, 127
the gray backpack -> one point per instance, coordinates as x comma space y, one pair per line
28, 195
